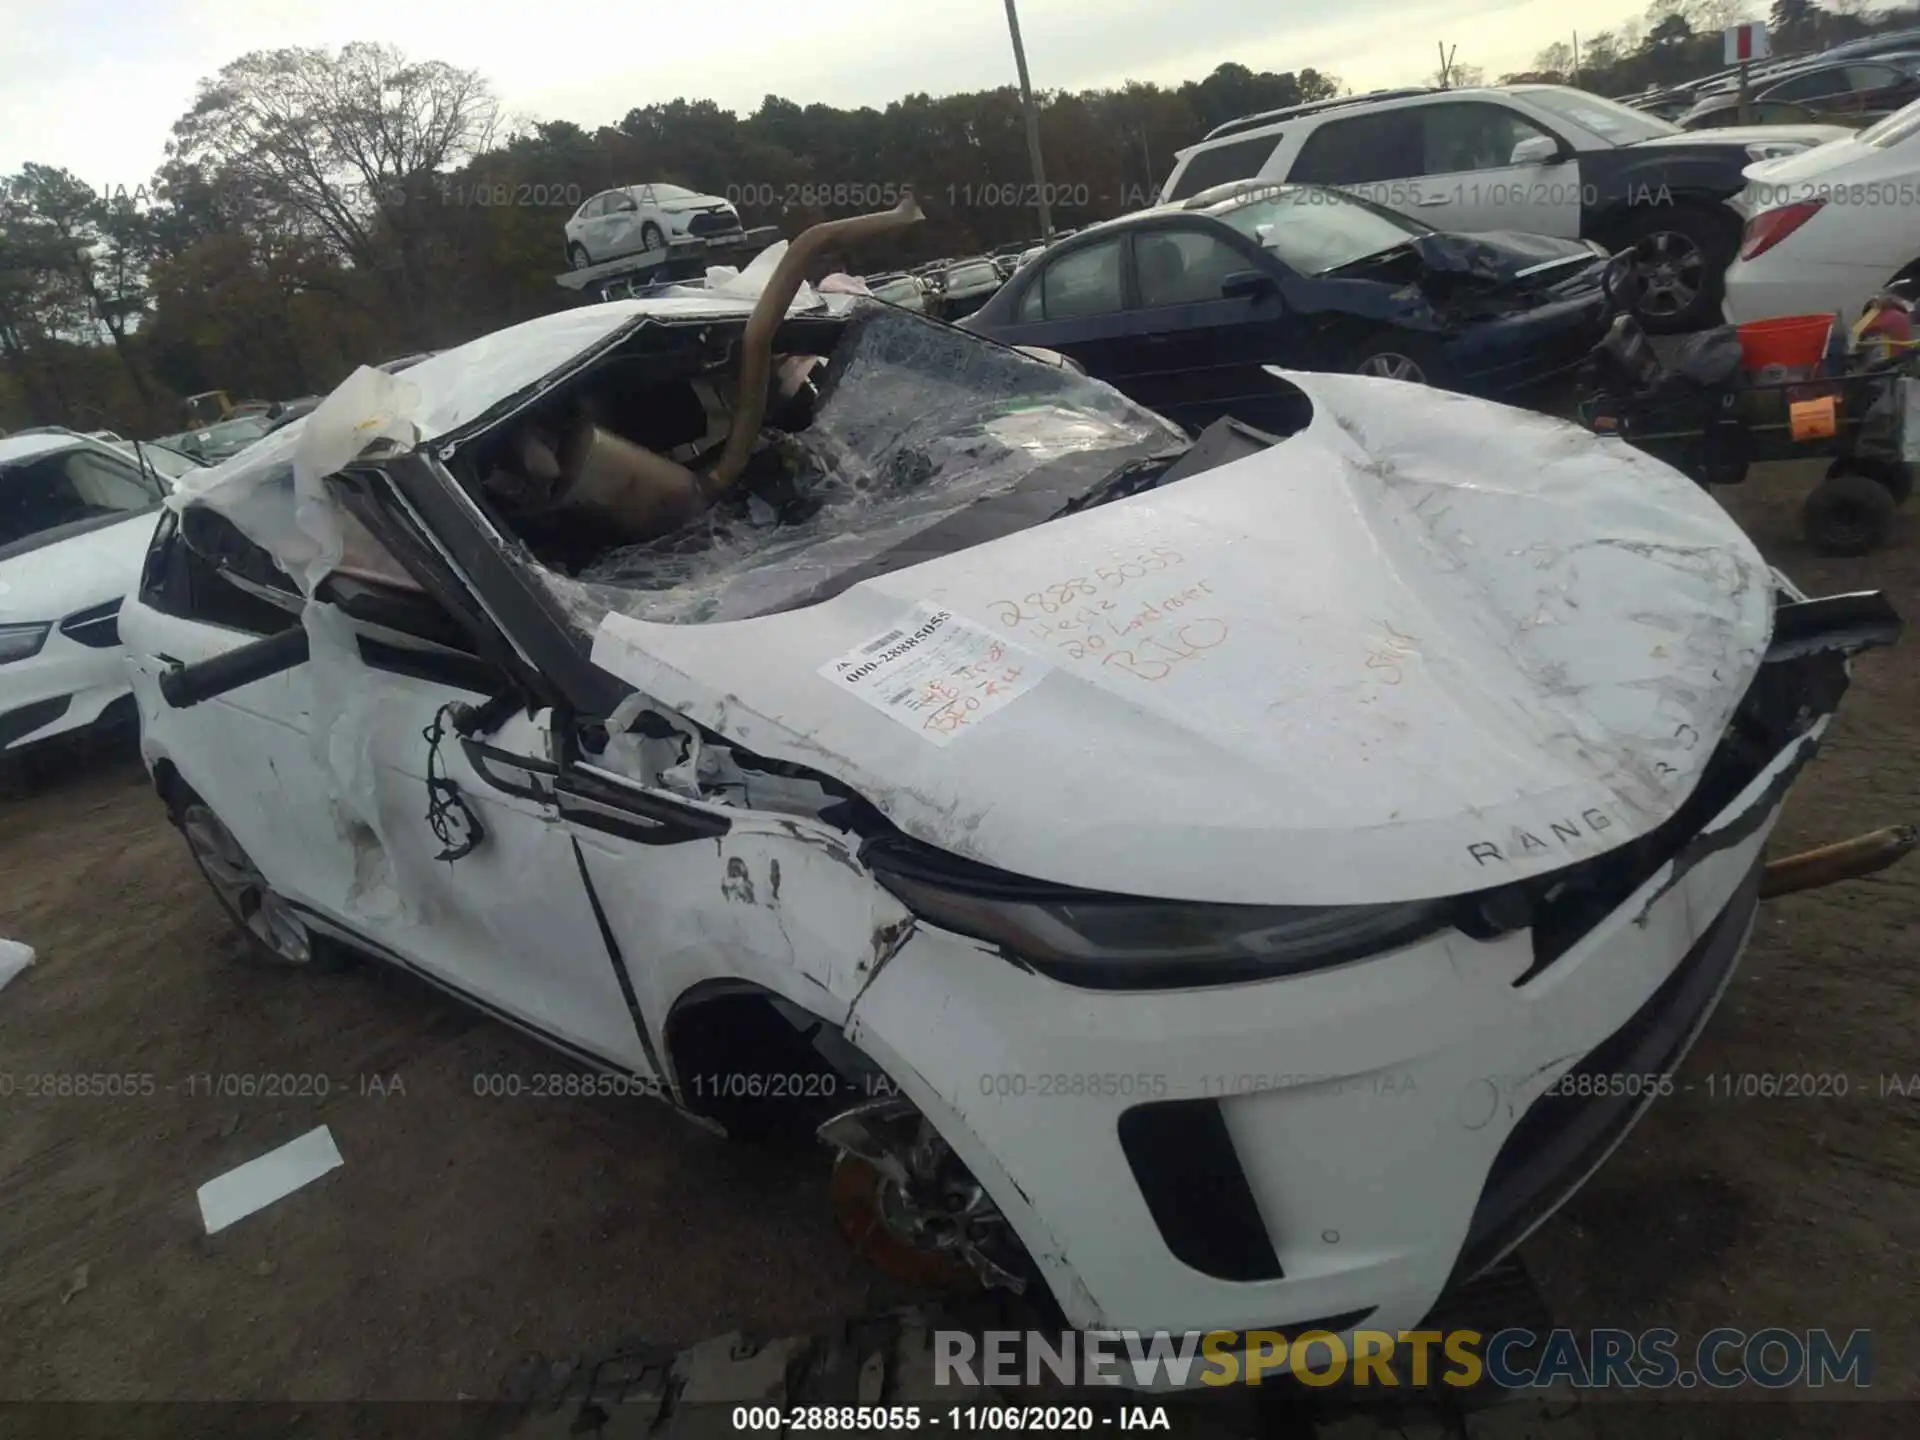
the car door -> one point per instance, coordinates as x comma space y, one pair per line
1826, 91
349, 782
592, 229
1075, 302
680, 892
493, 900
248, 753
1199, 343
1485, 166
1877, 89
621, 224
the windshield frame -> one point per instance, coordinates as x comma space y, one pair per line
1567, 105
151, 486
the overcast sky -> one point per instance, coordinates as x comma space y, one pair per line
94, 85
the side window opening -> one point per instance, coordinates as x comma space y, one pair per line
1471, 135
1360, 149
1084, 283
69, 487
1222, 164
1183, 267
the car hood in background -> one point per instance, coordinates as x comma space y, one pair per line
692, 202
1425, 646
1809, 163
1722, 136
85, 566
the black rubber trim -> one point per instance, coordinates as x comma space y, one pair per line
574, 1052
29, 718
618, 961
1183, 1160
647, 819
1846, 623
483, 758
461, 672
1564, 1135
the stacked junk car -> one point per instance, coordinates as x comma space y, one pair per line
855, 727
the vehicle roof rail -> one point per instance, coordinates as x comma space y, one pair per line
1311, 107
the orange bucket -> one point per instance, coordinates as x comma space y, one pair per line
1796, 341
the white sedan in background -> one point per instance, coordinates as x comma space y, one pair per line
637, 218
1829, 228
75, 520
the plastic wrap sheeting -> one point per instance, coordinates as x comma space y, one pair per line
922, 422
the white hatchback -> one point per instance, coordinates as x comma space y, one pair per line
1829, 228
75, 519
1234, 883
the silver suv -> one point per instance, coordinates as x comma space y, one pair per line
1544, 159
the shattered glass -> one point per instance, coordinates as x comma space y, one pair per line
921, 422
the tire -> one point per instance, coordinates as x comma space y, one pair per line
577, 257
1846, 514
1390, 355
271, 931
1681, 254
1895, 478
652, 237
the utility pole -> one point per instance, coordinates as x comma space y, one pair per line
1446, 62
1033, 126
1576, 59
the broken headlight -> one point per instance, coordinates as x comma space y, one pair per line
21, 642
1119, 942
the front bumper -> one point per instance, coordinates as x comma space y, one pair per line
67, 687
1772, 286
1531, 350
1336, 1149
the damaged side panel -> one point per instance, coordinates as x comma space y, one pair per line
777, 903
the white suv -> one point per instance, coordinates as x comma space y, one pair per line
1545, 159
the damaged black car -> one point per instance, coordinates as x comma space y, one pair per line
1183, 306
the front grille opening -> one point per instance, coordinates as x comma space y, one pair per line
1184, 1162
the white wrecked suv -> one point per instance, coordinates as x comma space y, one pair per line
1230, 884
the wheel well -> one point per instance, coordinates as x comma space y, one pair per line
755, 1063
1614, 227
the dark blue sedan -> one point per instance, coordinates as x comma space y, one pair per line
1181, 306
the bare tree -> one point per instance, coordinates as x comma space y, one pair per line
1556, 59
346, 148
96, 246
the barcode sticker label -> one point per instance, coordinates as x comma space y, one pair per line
938, 675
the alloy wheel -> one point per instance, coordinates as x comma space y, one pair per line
267, 918
1386, 365
1670, 270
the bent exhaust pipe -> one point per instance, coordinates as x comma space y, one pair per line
756, 358
1830, 864
654, 495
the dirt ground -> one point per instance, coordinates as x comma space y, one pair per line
465, 1233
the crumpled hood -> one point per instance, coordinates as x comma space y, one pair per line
52, 581
1501, 255
1426, 646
